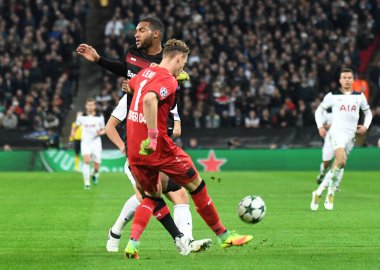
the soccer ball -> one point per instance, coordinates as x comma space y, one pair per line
251, 209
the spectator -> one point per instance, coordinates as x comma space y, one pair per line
10, 120
252, 120
212, 119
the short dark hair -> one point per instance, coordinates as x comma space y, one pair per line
156, 24
345, 70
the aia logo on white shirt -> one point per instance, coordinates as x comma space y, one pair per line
163, 92
347, 108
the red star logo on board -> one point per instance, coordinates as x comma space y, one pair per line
211, 164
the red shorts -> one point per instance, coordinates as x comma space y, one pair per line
179, 168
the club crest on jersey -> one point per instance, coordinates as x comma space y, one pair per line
163, 92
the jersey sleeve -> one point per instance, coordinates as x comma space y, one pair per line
78, 122
101, 122
164, 87
327, 102
174, 113
364, 104
120, 112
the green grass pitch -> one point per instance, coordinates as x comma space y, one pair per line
48, 221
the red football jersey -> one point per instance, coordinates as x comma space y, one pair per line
158, 80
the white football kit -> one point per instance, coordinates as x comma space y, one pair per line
120, 113
91, 143
345, 116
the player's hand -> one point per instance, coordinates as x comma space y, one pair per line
88, 52
148, 146
322, 132
123, 150
183, 77
125, 87
361, 129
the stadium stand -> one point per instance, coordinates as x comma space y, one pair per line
38, 63
253, 64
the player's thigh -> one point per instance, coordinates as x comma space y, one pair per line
96, 154
180, 168
128, 172
147, 177
327, 150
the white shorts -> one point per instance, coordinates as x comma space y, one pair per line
340, 140
94, 149
327, 149
128, 172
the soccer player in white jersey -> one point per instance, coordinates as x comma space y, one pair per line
345, 104
182, 214
91, 145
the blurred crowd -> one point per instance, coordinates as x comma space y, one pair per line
263, 63
38, 63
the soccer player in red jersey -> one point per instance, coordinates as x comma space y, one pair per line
151, 150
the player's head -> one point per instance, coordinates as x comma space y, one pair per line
176, 51
346, 78
148, 32
90, 106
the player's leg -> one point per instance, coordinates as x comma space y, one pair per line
125, 216
77, 155
206, 209
149, 183
86, 170
97, 158
327, 156
183, 219
182, 170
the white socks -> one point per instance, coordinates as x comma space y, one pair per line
322, 169
86, 174
332, 180
126, 215
183, 219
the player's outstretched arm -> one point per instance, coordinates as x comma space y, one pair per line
88, 52
113, 135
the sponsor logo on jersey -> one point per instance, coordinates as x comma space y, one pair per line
347, 108
136, 117
133, 59
163, 92
130, 74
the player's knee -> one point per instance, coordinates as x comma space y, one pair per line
179, 197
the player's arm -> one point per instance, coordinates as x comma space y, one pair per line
362, 129
319, 120
326, 103
90, 54
177, 122
113, 135
150, 108
117, 116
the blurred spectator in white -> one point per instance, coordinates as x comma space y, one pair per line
252, 120
10, 120
212, 119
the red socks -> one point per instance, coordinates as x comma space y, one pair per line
206, 209
142, 216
